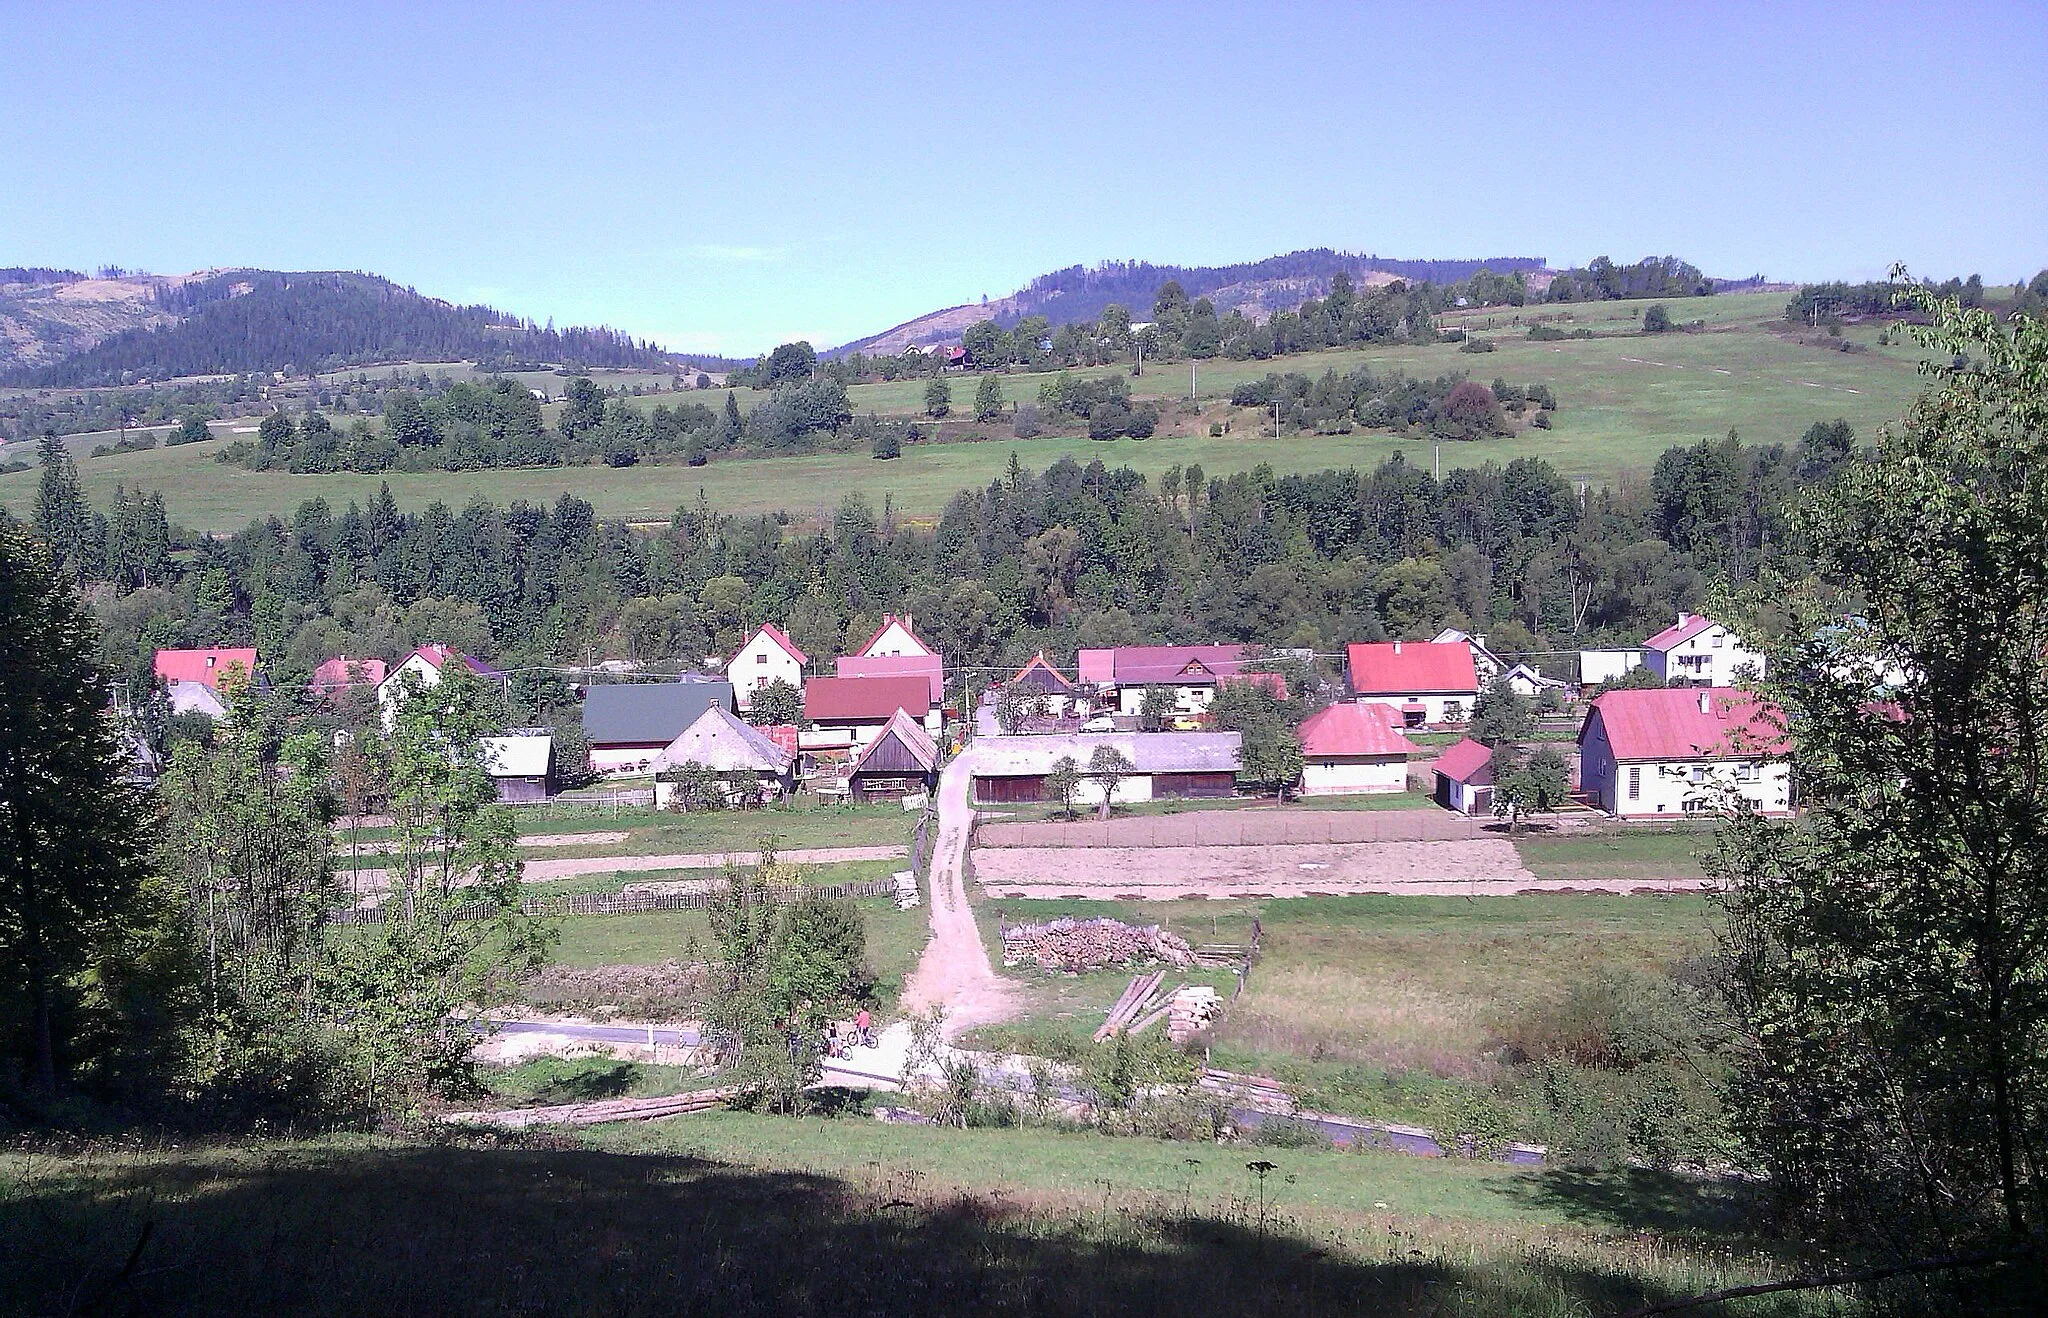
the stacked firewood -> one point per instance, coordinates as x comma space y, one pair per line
1076, 946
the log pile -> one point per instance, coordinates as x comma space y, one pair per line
1076, 946
1135, 999
596, 1114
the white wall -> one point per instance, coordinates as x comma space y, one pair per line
1186, 699
1597, 666
761, 662
617, 759
1353, 775
894, 640
1716, 657
1436, 708
1675, 788
394, 684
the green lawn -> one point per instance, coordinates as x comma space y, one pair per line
1622, 401
738, 1214
1625, 854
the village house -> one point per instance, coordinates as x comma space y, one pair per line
768, 657
423, 668
341, 673
902, 761
1672, 751
192, 678
1191, 673
521, 764
629, 723
1348, 749
1464, 778
1049, 684
846, 713
896, 650
750, 765
1427, 683
1697, 651
1013, 770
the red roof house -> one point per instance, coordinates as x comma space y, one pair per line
1353, 748
1464, 777
929, 667
341, 672
851, 701
1428, 681
1676, 751
204, 666
781, 638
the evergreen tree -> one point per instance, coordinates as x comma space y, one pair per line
72, 876
988, 399
60, 514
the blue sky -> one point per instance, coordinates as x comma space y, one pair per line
724, 177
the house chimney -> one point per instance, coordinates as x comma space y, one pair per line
1706, 700
1397, 647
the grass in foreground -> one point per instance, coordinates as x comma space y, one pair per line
359, 1225
1627, 854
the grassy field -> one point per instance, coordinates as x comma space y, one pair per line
1353, 995
731, 1213
1622, 401
1627, 854
660, 832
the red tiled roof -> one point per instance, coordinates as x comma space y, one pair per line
1273, 682
783, 735
781, 638
1670, 724
927, 666
1688, 626
204, 666
839, 699
438, 655
341, 672
1411, 667
1468, 761
1096, 667
1350, 729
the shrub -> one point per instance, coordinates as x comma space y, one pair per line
1027, 424
1290, 1133
1657, 319
887, 445
1541, 421
1476, 345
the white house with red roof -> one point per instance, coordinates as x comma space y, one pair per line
1348, 749
1464, 778
1672, 751
768, 657
338, 674
1427, 682
846, 713
423, 668
896, 637
1697, 651
193, 677
896, 650
1191, 672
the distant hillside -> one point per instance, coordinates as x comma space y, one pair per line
1257, 288
74, 332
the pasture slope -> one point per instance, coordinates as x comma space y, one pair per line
1623, 399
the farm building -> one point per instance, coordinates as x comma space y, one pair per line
1697, 651
1191, 672
521, 764
194, 676
768, 657
422, 668
1464, 778
752, 765
629, 723
340, 673
1052, 686
1350, 748
902, 761
1013, 770
1527, 680
1599, 667
1674, 751
849, 712
1427, 682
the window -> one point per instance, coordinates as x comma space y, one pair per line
1454, 712
1698, 773
761, 658
1717, 640
1635, 782
1745, 773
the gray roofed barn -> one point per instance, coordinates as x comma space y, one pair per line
646, 716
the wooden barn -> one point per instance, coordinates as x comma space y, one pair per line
521, 765
902, 761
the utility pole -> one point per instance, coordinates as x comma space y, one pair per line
1276, 418
1439, 464
1191, 379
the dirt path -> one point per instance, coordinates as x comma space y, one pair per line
544, 871
955, 971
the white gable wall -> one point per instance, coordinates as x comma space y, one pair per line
895, 639
761, 662
1351, 775
394, 685
1715, 657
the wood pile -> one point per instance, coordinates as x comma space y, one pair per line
1076, 946
1187, 1011
597, 1114
906, 889
1257, 1092
1136, 998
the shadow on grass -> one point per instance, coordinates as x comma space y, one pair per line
471, 1229
588, 1082
1636, 1199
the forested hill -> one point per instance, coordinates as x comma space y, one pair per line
259, 320
1079, 293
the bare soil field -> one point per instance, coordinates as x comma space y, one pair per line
1442, 867
1238, 828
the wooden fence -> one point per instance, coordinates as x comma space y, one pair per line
613, 903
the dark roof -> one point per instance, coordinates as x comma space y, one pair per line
649, 713
903, 747
1041, 676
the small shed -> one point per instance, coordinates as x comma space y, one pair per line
1464, 778
903, 761
521, 764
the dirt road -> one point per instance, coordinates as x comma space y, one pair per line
955, 971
